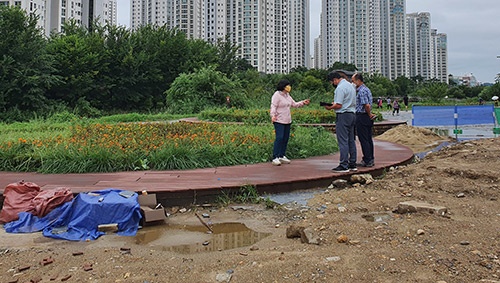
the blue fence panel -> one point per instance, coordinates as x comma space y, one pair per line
453, 115
433, 115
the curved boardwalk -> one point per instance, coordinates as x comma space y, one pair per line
203, 185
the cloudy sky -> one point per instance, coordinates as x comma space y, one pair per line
472, 27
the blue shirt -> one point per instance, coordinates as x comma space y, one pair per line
364, 97
345, 94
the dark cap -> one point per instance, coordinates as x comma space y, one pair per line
345, 73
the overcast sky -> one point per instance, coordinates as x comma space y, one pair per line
472, 27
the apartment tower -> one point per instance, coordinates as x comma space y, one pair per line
54, 13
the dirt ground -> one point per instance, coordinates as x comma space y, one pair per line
360, 238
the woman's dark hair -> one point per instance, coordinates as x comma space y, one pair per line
282, 84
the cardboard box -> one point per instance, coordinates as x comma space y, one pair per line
148, 205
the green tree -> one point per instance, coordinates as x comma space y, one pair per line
490, 91
26, 70
321, 75
404, 86
81, 59
433, 92
343, 66
380, 86
455, 92
203, 89
312, 84
227, 57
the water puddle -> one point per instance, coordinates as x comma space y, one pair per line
188, 239
377, 217
298, 197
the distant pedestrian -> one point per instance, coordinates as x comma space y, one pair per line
282, 120
405, 101
389, 103
395, 107
379, 102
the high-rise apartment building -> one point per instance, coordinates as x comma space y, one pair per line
261, 29
216, 22
273, 35
394, 39
428, 52
440, 51
144, 12
299, 34
52, 14
377, 36
318, 52
419, 44
351, 31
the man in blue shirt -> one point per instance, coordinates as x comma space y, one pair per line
364, 120
344, 103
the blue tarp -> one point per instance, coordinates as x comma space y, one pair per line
79, 219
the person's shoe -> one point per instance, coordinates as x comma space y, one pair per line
340, 169
353, 168
284, 160
276, 162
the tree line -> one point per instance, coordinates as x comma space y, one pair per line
111, 69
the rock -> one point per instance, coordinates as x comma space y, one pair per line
420, 232
333, 258
342, 239
415, 206
308, 236
340, 183
223, 277
362, 178
294, 231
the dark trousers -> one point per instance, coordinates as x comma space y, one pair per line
281, 142
364, 130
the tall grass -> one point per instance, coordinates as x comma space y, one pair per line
79, 146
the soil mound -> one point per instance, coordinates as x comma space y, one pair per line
418, 139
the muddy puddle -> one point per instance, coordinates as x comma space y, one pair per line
188, 239
377, 217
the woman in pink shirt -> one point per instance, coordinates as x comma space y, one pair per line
282, 119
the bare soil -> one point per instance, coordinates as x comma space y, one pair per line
361, 239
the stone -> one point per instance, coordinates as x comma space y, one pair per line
362, 179
308, 236
415, 206
340, 183
333, 258
294, 231
223, 277
342, 239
